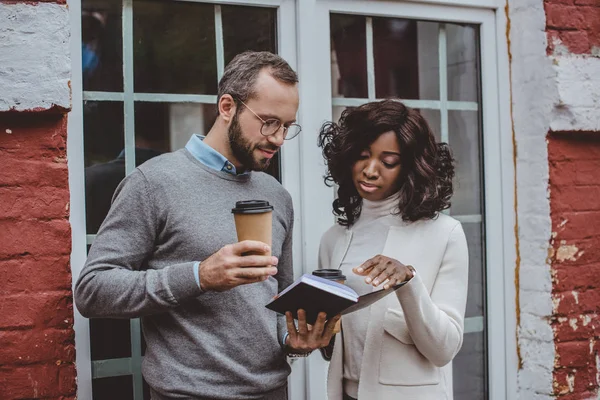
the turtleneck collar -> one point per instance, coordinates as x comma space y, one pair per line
375, 209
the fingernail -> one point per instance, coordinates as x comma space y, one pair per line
368, 280
275, 261
375, 282
273, 271
359, 269
267, 248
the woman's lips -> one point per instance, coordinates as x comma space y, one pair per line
367, 187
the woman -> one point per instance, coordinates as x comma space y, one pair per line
393, 181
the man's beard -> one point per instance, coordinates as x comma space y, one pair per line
243, 150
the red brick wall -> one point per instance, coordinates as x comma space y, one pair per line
37, 351
576, 23
575, 258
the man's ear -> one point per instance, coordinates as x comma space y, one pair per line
227, 107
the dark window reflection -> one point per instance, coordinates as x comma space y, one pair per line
240, 35
104, 161
348, 46
174, 47
110, 338
102, 45
396, 62
113, 388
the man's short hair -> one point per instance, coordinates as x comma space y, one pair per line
240, 75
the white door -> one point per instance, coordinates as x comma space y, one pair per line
442, 61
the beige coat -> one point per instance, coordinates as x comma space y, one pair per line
411, 337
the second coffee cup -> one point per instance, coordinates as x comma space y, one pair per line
253, 221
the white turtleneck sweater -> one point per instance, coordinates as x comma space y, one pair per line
369, 234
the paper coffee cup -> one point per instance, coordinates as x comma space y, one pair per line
253, 221
334, 275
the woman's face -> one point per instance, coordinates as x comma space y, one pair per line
377, 170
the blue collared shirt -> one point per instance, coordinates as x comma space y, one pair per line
209, 156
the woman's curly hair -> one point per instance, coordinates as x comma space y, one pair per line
427, 167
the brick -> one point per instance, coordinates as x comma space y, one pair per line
38, 136
566, 277
574, 198
569, 146
575, 354
578, 42
587, 251
67, 376
37, 346
577, 302
578, 225
580, 172
29, 274
595, 3
31, 382
560, 16
48, 310
38, 238
571, 328
22, 172
31, 202
583, 382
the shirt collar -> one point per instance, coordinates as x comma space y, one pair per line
209, 156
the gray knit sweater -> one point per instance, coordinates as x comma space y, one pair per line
169, 213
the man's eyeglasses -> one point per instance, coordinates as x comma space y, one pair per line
271, 126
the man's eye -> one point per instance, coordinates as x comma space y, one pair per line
271, 123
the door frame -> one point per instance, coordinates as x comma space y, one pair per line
316, 107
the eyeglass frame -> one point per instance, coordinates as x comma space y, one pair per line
264, 122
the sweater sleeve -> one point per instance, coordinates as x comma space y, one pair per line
436, 322
113, 282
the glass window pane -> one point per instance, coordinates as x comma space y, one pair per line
434, 120
475, 299
174, 47
469, 372
104, 160
110, 338
102, 45
113, 388
349, 56
463, 62
240, 35
165, 127
465, 140
406, 58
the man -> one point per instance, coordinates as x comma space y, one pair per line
165, 252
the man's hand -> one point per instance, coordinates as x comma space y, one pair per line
228, 268
308, 338
381, 269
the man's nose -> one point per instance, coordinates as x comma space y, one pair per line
278, 137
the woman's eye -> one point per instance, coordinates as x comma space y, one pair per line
388, 164
362, 156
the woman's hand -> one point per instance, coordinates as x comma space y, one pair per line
381, 269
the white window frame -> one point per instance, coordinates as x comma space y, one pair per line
290, 165
316, 102
305, 47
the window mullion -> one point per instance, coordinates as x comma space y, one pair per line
220, 46
443, 50
370, 59
128, 104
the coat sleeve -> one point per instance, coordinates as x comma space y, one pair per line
114, 282
436, 322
